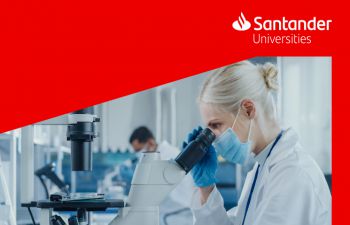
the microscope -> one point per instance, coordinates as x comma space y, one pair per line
81, 132
154, 179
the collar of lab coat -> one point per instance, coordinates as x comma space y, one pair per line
262, 156
284, 147
289, 134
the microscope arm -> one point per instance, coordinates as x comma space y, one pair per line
153, 180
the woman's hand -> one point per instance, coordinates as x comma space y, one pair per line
205, 192
204, 171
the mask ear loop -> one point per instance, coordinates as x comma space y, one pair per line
250, 129
234, 122
250, 124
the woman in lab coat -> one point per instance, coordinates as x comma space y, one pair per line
286, 186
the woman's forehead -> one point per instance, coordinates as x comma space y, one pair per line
210, 113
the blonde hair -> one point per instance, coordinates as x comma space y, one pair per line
243, 80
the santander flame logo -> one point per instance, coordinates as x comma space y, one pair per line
241, 24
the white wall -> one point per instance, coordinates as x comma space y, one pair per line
121, 116
306, 104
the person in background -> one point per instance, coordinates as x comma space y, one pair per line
142, 140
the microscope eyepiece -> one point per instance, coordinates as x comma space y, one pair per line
207, 136
195, 150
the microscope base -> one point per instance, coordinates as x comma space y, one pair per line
137, 215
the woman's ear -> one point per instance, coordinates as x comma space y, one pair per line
248, 108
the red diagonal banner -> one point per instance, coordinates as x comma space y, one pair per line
59, 56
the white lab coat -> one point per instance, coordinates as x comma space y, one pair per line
292, 191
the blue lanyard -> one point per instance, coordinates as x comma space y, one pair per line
256, 177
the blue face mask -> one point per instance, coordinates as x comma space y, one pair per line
231, 148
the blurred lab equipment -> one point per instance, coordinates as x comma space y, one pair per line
48, 172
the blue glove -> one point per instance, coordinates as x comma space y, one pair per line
203, 172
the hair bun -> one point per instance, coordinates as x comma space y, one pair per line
269, 73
